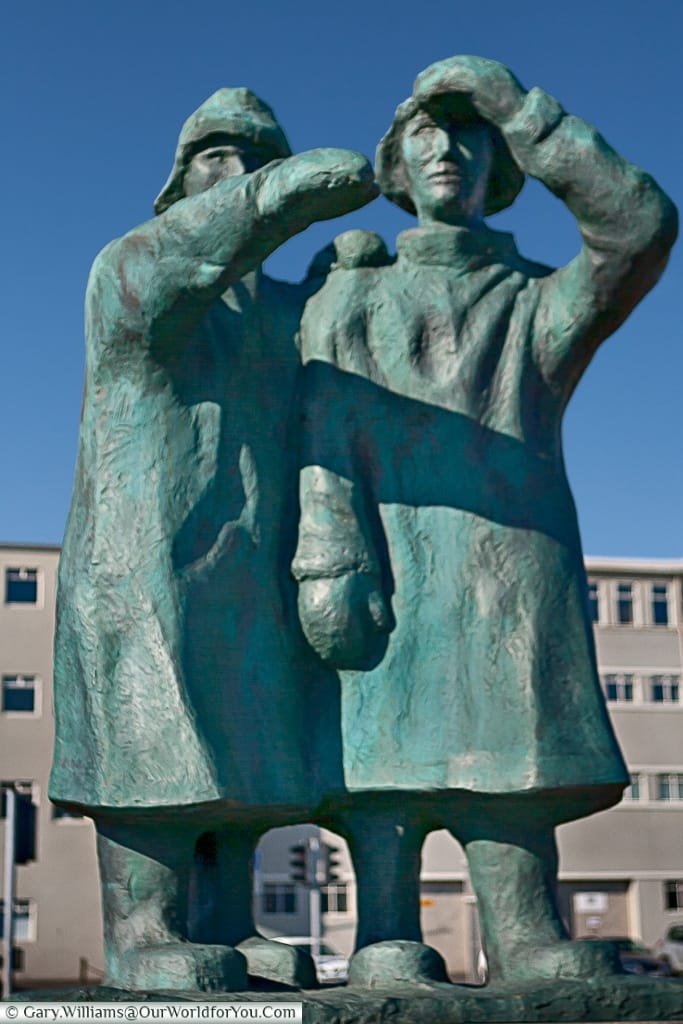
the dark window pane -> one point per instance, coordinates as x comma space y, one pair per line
673, 891
324, 902
62, 812
660, 606
269, 902
21, 586
624, 603
593, 602
612, 691
290, 901
341, 899
17, 698
657, 693
628, 690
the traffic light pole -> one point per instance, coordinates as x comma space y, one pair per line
314, 912
8, 890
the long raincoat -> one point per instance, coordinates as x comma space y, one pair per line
182, 679
433, 464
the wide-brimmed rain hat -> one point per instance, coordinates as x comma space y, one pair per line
505, 178
231, 112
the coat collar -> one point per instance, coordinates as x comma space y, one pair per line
462, 249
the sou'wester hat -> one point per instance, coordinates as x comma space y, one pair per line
505, 180
232, 112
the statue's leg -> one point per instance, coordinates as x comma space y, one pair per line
385, 841
144, 873
223, 892
513, 870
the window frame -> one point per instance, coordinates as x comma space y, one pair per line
33, 677
40, 587
335, 890
281, 893
653, 586
27, 787
674, 782
674, 886
670, 683
620, 680
31, 918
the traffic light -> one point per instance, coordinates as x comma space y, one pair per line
298, 862
331, 863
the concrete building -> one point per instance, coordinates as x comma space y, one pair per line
621, 872
57, 914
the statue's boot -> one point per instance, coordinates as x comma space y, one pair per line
397, 962
144, 873
278, 962
385, 840
513, 870
222, 895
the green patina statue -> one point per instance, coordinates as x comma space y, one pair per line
428, 661
439, 560
191, 715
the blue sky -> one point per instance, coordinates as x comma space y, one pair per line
93, 95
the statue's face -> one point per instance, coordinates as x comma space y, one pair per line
448, 164
223, 156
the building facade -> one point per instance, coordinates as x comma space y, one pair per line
621, 871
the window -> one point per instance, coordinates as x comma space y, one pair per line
670, 786
24, 919
618, 687
625, 604
664, 689
632, 793
21, 586
62, 814
333, 899
673, 895
278, 899
22, 786
659, 604
19, 694
594, 600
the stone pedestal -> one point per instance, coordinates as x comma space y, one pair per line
625, 998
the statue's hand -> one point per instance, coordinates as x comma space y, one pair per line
493, 90
346, 619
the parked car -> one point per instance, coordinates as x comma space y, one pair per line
635, 957
331, 967
670, 948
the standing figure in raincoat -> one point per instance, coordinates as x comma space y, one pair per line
187, 701
439, 562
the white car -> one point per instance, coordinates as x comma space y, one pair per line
670, 948
331, 967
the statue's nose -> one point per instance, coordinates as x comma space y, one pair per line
444, 144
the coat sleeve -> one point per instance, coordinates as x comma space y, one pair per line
627, 224
158, 280
343, 601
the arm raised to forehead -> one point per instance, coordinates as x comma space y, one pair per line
160, 278
627, 223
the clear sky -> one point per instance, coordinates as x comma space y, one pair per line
93, 95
